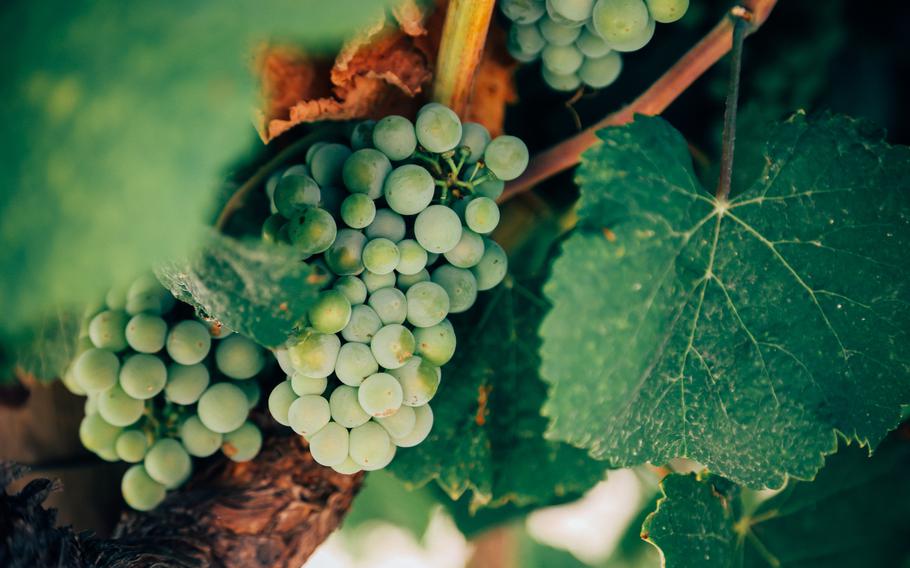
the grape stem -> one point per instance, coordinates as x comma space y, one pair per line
460, 50
708, 51
740, 27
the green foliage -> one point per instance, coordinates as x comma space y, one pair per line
46, 349
384, 498
261, 290
743, 334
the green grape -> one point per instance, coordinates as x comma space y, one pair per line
375, 282
188, 342
637, 41
468, 251
271, 228
386, 225
312, 231
284, 360
526, 38
353, 289
602, 71
413, 257
295, 170
327, 162
91, 404
251, 390
97, 434
491, 188
561, 60
198, 440
619, 21
390, 455
523, 11
475, 136
347, 467
238, 357
69, 381
107, 330
115, 299
381, 256
419, 381
243, 443
330, 313
168, 463
108, 455
380, 395
519, 55
405, 281
559, 82
295, 193
345, 256
394, 136
390, 305
438, 228
329, 446
438, 128
591, 44
131, 445
427, 303
345, 407
355, 363
422, 425
223, 407
271, 183
309, 414
492, 267
96, 370
570, 10
143, 376
667, 11
362, 135
482, 215
315, 355
506, 157
363, 325
303, 386
146, 294
369, 444
358, 210
140, 491
311, 151
365, 171
280, 400
392, 346
460, 284
557, 34
409, 189
146, 332
186, 383
399, 424
119, 408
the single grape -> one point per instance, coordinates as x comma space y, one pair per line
143, 376
97, 434
375, 281
295, 170
345, 256
295, 193
523, 11
115, 299
188, 342
69, 381
146, 294
405, 281
419, 381
312, 231
358, 210
591, 44
460, 284
637, 41
468, 251
131, 445
362, 135
570, 10
390, 455
347, 467
557, 34
309, 414
519, 55
422, 426
168, 463
305, 385
667, 11
280, 400
428, 304
559, 82
413, 257
438, 128
119, 408
561, 60
475, 136
482, 215
381, 256
329, 446
198, 440
365, 171
394, 136
369, 444
107, 330
491, 188
223, 407
284, 360
492, 267
387, 225
363, 325
330, 313
140, 491
238, 357
602, 71
186, 383
327, 162
96, 370
345, 408
311, 151
390, 305
399, 424
355, 362
438, 228
392, 346
380, 395
353, 289
618, 21
314, 356
528, 39
506, 157
146, 332
243, 443
251, 390
409, 189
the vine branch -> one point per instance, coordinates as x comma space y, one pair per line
708, 51
460, 50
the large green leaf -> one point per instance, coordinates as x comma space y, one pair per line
261, 290
118, 119
854, 514
741, 334
488, 432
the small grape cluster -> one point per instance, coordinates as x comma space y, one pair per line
579, 41
399, 218
158, 390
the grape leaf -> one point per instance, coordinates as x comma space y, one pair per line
741, 334
47, 351
854, 514
488, 433
259, 289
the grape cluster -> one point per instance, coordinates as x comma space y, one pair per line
579, 41
399, 218
161, 388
